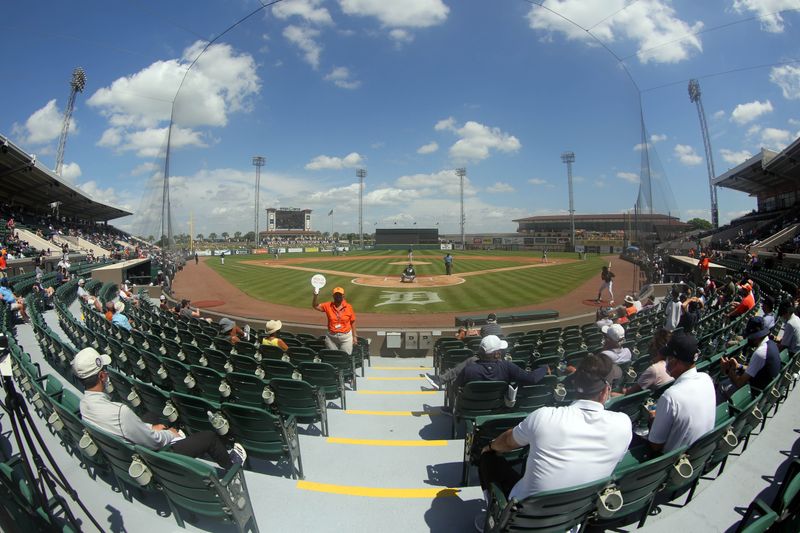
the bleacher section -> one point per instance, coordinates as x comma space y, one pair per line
82, 245
40, 243
332, 407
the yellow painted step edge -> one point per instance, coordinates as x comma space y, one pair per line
375, 492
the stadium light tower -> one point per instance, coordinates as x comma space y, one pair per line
461, 172
569, 158
695, 97
77, 84
258, 162
361, 173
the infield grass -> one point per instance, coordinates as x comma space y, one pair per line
479, 292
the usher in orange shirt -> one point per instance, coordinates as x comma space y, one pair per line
339, 320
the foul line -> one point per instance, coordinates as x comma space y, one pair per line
375, 492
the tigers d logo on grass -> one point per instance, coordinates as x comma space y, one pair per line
409, 298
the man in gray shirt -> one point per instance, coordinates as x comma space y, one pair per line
491, 327
118, 419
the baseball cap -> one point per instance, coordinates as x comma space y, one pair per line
81, 281
491, 316
755, 328
338, 290
493, 343
615, 332
629, 299
89, 362
119, 307
593, 374
162, 297
682, 347
226, 324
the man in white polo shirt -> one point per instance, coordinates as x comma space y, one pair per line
569, 445
612, 346
686, 411
790, 339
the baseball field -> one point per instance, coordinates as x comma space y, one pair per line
371, 279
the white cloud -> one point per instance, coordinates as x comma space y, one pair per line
500, 187
444, 182
639, 147
660, 36
401, 36
341, 77
538, 181
735, 158
221, 82
43, 126
718, 114
744, 113
658, 137
687, 155
144, 168
405, 14
304, 38
477, 140
600, 184
351, 160
308, 10
630, 177
428, 148
767, 11
787, 77
106, 196
775, 138
390, 196
70, 172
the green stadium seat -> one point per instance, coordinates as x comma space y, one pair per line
192, 412
301, 400
478, 398
481, 431
763, 522
208, 382
327, 378
343, 362
194, 486
246, 389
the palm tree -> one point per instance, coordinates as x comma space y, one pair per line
237, 235
199, 237
212, 236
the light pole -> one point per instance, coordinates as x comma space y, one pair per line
77, 84
461, 172
695, 96
361, 173
258, 162
569, 158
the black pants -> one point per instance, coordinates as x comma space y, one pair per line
494, 469
203, 443
449, 268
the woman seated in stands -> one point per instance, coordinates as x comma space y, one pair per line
273, 327
408, 275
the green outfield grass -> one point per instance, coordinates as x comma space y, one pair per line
480, 292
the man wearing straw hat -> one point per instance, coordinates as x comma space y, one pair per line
341, 321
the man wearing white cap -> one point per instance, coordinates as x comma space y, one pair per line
83, 294
118, 419
491, 366
612, 347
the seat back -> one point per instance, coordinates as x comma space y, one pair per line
277, 368
301, 354
192, 411
153, 398
246, 389
117, 451
177, 373
480, 398
193, 485
268, 351
630, 404
698, 454
208, 382
532, 397
297, 397
558, 510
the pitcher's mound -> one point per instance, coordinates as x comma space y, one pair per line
421, 281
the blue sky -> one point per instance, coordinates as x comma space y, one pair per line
408, 90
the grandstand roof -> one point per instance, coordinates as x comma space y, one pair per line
764, 172
613, 216
26, 181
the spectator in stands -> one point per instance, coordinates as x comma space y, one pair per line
768, 311
673, 310
614, 336
43, 293
656, 374
109, 312
273, 328
569, 445
229, 327
491, 327
630, 306
3, 263
490, 366
469, 331
186, 311
83, 294
14, 302
746, 303
703, 264
790, 338
341, 321
125, 291
118, 419
119, 319
162, 303
691, 314
605, 316
409, 275
686, 411
764, 364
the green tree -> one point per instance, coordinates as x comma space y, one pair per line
249, 236
225, 235
199, 237
699, 223
212, 236
237, 235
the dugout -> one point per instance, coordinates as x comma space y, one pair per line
403, 238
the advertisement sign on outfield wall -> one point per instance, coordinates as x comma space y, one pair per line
260, 251
312, 249
446, 246
294, 250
